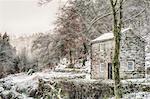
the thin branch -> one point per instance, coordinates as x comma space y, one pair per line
135, 15
112, 3
65, 4
95, 20
43, 2
115, 3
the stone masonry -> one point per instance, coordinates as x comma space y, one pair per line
132, 49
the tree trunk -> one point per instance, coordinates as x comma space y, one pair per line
84, 54
116, 65
117, 32
71, 60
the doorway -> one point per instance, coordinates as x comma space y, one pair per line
109, 70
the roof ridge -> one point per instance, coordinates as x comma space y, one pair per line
109, 35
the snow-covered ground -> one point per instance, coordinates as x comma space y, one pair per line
138, 95
22, 83
24, 79
19, 84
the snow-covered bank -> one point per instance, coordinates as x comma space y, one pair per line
22, 83
137, 95
24, 86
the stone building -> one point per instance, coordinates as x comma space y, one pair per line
132, 56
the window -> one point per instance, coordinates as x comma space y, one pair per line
130, 65
102, 67
102, 47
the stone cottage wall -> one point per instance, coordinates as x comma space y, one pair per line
101, 53
132, 49
95, 74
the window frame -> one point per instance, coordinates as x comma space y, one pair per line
102, 70
133, 64
102, 47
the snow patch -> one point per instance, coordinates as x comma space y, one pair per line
107, 36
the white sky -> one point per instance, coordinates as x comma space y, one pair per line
19, 17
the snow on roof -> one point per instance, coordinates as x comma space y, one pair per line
104, 36
107, 36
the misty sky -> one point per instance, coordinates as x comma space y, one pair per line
19, 17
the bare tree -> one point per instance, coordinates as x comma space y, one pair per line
68, 27
117, 25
